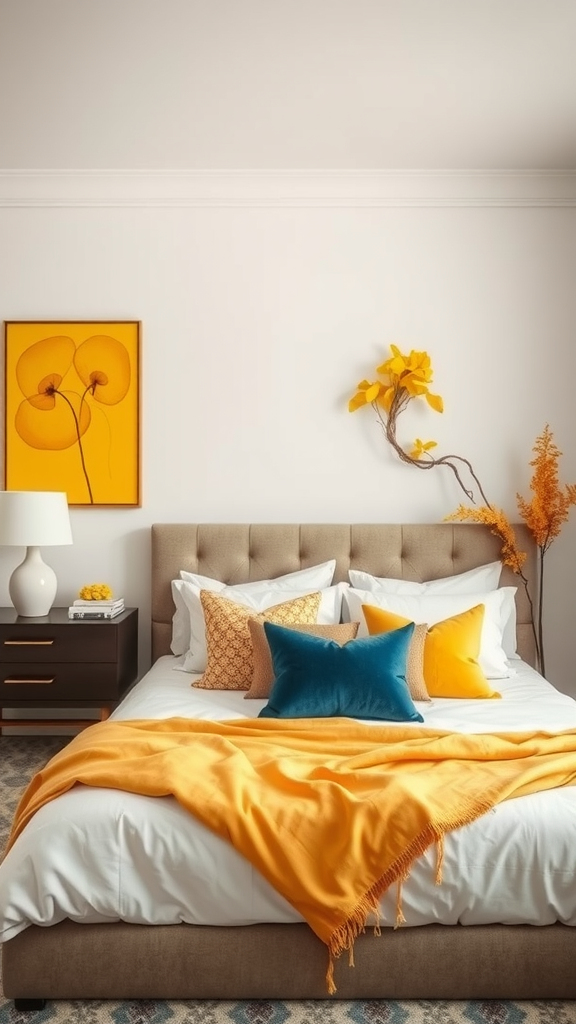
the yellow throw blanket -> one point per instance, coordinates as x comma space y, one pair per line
329, 811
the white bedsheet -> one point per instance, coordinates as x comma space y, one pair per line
98, 855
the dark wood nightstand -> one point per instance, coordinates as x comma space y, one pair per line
56, 662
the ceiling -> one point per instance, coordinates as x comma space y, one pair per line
352, 84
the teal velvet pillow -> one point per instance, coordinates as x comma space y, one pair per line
318, 678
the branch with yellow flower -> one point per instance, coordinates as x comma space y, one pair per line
405, 377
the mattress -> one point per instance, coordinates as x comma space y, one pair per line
97, 855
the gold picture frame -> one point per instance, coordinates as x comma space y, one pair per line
72, 409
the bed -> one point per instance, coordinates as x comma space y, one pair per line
78, 944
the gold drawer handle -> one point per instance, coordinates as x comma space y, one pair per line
28, 643
29, 682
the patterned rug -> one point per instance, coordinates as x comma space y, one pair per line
21, 756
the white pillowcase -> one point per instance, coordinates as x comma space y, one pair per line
473, 581
484, 577
509, 638
431, 608
315, 577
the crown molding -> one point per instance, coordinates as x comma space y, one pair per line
285, 188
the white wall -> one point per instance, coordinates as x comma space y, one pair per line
258, 321
265, 297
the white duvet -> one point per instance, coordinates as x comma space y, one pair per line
97, 855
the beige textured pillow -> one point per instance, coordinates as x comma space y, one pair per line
263, 675
229, 663
415, 664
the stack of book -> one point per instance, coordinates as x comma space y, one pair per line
96, 609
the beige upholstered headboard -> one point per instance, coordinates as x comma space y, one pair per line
238, 552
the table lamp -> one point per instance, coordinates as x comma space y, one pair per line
30, 519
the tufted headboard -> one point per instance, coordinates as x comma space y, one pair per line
238, 552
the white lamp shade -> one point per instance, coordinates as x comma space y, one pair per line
30, 519
34, 518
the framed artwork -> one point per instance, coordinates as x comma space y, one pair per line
72, 409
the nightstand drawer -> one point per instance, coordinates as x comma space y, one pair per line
47, 643
22, 682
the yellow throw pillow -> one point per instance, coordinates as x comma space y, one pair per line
451, 652
380, 621
263, 675
229, 662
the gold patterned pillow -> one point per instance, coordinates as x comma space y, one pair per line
229, 662
263, 675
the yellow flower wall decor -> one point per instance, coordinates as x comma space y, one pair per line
72, 409
406, 377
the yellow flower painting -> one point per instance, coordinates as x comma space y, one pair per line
72, 410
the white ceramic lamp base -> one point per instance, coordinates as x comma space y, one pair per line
32, 586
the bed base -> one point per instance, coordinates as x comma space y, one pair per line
267, 961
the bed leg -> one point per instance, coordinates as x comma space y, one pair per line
29, 1004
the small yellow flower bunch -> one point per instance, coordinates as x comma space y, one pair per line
96, 592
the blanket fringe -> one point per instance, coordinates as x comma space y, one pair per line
439, 859
330, 986
400, 919
343, 938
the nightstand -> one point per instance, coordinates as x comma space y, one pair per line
56, 662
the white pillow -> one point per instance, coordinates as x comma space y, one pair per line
431, 608
316, 577
330, 611
485, 577
474, 581
509, 638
